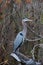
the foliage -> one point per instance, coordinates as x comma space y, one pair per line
10, 24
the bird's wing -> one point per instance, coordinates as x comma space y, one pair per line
15, 56
18, 41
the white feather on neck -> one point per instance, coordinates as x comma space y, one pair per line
24, 29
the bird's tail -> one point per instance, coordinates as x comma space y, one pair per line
15, 56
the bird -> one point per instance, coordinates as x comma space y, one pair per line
21, 36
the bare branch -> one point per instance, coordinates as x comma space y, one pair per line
40, 36
33, 39
33, 50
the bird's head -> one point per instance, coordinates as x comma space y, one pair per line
26, 20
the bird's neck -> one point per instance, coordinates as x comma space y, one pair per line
25, 28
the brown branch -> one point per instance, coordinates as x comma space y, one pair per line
40, 36
5, 62
33, 39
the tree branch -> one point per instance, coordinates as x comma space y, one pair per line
34, 32
30, 40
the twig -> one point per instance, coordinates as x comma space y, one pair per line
33, 39
40, 36
33, 50
4, 62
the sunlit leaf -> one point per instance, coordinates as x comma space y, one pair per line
28, 1
18, 1
7, 1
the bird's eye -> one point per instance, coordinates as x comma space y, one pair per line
21, 34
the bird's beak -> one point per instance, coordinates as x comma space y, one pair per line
30, 20
26, 19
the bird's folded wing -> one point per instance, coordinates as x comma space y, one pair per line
15, 56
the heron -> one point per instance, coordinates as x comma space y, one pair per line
21, 36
